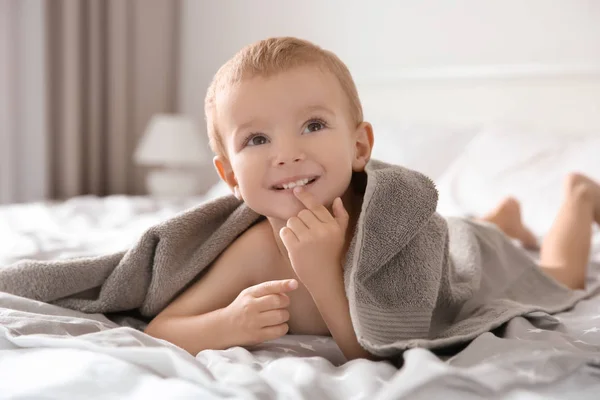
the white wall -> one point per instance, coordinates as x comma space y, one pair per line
380, 37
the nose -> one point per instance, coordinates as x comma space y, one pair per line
288, 152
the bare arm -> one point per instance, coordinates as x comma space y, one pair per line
315, 241
334, 308
194, 333
196, 320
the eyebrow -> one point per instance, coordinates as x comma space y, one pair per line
239, 130
242, 128
318, 108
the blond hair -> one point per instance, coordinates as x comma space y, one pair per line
267, 58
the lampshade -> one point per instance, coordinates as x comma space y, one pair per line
171, 140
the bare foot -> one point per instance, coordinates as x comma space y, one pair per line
507, 216
585, 186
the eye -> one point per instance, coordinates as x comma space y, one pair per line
256, 140
314, 125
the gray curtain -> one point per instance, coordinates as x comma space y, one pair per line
23, 155
111, 65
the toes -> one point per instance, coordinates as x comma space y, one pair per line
508, 211
511, 206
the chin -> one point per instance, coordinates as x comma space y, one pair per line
281, 211
285, 210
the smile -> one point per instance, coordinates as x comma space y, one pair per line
293, 184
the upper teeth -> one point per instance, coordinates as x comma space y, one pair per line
290, 185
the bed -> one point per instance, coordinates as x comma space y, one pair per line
480, 133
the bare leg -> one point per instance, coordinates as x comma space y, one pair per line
565, 250
507, 217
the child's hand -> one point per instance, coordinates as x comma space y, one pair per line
259, 313
315, 239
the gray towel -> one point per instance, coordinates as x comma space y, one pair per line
412, 277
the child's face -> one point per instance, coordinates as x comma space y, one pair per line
291, 128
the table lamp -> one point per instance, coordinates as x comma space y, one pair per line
173, 147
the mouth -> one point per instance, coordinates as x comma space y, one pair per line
296, 183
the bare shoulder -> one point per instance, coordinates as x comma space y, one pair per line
241, 265
252, 254
257, 250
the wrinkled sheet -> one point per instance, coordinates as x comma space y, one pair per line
51, 352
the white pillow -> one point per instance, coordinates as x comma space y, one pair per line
530, 166
429, 149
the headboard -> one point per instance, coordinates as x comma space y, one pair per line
558, 98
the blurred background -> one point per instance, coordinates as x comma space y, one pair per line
96, 93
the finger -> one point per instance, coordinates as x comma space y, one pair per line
272, 287
273, 317
311, 202
340, 213
274, 332
288, 237
298, 227
309, 218
272, 302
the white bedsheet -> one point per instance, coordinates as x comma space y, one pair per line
108, 361
111, 362
81, 226
117, 362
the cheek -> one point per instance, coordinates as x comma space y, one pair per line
247, 172
338, 148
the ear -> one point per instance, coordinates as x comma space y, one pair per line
363, 142
223, 167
